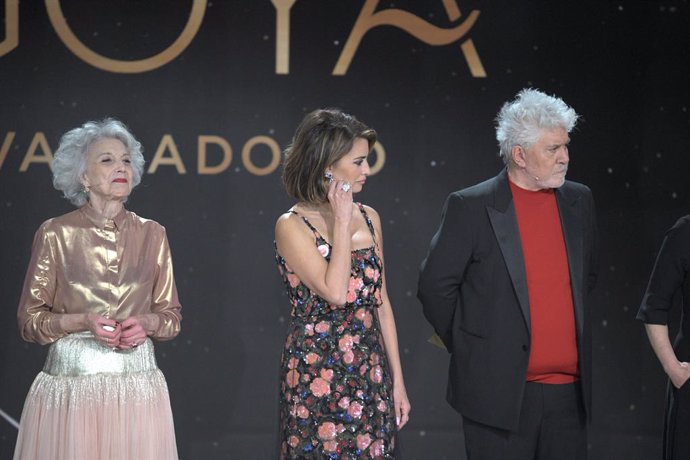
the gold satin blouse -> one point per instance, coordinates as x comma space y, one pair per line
82, 262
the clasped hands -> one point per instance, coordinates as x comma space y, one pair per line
122, 336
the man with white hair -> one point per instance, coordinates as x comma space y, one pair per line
505, 286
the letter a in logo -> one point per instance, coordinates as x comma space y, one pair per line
422, 30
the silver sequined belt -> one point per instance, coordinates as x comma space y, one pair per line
80, 354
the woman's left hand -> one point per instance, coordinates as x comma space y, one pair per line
133, 333
402, 405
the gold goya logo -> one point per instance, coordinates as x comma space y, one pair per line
367, 20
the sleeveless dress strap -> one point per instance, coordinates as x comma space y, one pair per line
311, 227
318, 235
370, 224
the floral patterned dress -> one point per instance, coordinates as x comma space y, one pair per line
336, 399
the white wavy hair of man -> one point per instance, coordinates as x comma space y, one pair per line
71, 157
521, 120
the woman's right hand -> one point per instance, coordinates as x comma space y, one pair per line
679, 374
105, 330
340, 200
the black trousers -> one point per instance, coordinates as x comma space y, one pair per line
552, 427
677, 423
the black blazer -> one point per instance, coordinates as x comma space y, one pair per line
473, 288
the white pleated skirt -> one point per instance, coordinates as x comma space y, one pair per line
91, 402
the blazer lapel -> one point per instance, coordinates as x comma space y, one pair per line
504, 223
571, 223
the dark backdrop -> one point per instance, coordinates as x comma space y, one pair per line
625, 66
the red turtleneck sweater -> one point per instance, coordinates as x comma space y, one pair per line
553, 351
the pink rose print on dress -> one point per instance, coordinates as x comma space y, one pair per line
353, 286
376, 374
292, 378
368, 320
365, 317
372, 273
320, 387
311, 358
327, 431
309, 329
363, 441
376, 448
345, 342
382, 406
348, 357
302, 412
369, 272
330, 446
293, 280
322, 327
327, 374
344, 402
355, 409
324, 249
293, 441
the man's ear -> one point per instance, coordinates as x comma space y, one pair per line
518, 155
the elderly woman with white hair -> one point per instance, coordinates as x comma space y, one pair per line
98, 288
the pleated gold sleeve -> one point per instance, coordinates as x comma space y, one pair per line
82, 262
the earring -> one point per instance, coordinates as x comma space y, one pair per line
329, 176
84, 189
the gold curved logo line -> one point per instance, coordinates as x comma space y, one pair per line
421, 29
11, 40
380, 159
57, 18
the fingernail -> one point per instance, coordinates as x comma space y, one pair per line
397, 420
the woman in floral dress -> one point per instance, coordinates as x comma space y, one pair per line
342, 390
